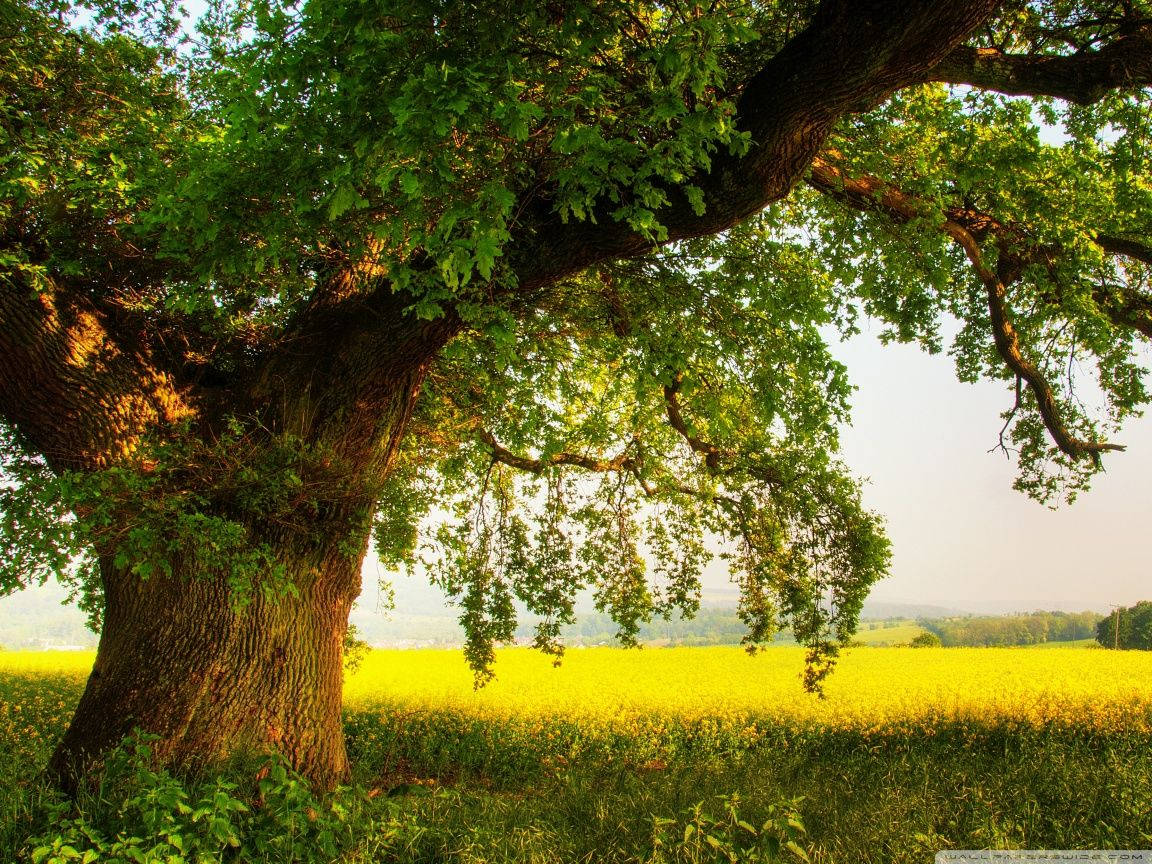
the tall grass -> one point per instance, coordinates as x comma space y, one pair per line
617, 755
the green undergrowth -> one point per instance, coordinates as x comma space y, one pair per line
443, 788
137, 812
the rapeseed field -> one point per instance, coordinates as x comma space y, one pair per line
907, 752
872, 688
662, 694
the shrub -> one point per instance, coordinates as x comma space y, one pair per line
926, 640
728, 838
142, 813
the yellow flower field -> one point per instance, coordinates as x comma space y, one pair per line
416, 715
870, 688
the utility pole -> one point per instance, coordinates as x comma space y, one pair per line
1117, 613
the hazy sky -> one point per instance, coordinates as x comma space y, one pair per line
961, 535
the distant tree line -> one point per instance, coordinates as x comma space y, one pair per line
1029, 629
1134, 630
707, 627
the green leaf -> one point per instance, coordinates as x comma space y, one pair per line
342, 200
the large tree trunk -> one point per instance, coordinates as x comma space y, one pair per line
178, 660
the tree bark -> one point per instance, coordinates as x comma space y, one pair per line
177, 657
179, 661
180, 658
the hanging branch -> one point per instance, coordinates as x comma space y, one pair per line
967, 228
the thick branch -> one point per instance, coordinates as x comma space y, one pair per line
965, 227
709, 451
1084, 77
502, 454
1139, 250
852, 56
69, 387
1008, 346
1126, 308
620, 463
349, 369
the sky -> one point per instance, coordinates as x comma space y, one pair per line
961, 536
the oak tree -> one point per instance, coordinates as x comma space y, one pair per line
560, 274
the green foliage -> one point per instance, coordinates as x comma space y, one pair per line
728, 838
732, 346
926, 639
142, 814
86, 123
39, 533
1127, 628
467, 103
1035, 628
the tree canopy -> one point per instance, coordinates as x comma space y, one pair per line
1034, 628
565, 272
1129, 628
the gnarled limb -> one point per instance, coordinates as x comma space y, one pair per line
1130, 247
709, 451
620, 462
1125, 307
1084, 77
851, 57
70, 387
967, 228
1008, 346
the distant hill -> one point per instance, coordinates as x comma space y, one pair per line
883, 611
38, 618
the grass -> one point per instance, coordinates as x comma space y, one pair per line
910, 752
889, 633
1073, 643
